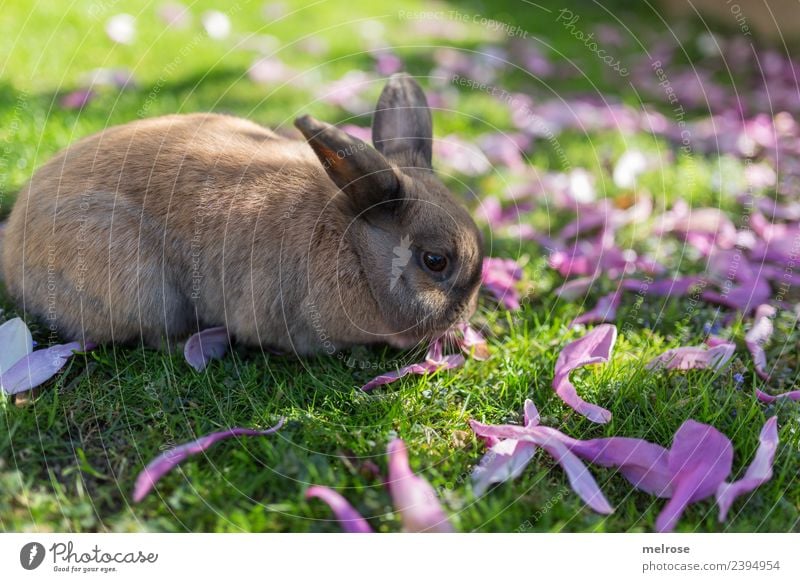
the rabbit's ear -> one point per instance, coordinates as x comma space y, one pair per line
402, 129
354, 166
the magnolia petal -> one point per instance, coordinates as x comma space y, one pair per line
15, 343
580, 479
700, 460
641, 462
758, 473
744, 297
604, 312
769, 398
677, 287
413, 496
434, 362
471, 342
694, 358
594, 347
350, 520
168, 460
37, 368
504, 461
759, 335
575, 288
206, 345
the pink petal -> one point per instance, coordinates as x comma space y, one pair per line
202, 347
700, 460
759, 335
694, 358
677, 287
168, 460
77, 99
744, 297
580, 478
593, 348
350, 520
769, 398
641, 462
37, 368
758, 473
413, 496
471, 342
434, 362
505, 459
575, 288
15, 343
605, 310
499, 277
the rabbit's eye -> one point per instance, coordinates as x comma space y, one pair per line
435, 262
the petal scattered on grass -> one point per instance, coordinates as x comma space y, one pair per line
77, 99
757, 473
202, 347
760, 334
413, 496
37, 368
499, 277
168, 460
434, 362
694, 358
641, 462
472, 342
350, 520
700, 459
604, 312
506, 459
15, 343
555, 443
593, 348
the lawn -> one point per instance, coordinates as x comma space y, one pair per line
69, 453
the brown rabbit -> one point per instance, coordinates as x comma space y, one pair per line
152, 230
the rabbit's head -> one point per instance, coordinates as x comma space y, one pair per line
419, 248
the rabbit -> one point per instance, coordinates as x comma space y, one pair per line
148, 232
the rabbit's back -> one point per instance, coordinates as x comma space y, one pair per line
119, 237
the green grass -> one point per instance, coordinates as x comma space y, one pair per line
69, 456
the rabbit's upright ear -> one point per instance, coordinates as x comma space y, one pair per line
354, 166
402, 128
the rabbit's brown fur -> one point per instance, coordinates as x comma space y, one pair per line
161, 227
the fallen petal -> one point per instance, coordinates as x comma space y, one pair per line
700, 460
694, 358
168, 460
593, 348
759, 335
580, 479
413, 496
758, 473
604, 312
202, 347
15, 343
350, 520
37, 368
